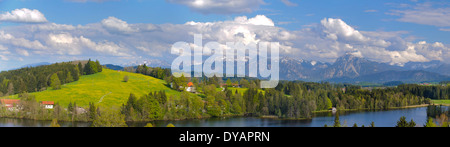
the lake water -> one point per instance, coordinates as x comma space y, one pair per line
387, 118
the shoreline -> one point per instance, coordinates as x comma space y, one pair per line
243, 115
346, 110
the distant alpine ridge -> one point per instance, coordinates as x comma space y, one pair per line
347, 68
148, 62
36, 64
351, 68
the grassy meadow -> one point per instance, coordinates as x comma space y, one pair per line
105, 89
442, 102
242, 90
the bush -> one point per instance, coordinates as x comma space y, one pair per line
54, 123
125, 78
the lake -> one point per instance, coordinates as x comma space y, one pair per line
385, 118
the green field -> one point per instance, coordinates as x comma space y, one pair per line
242, 90
105, 89
443, 102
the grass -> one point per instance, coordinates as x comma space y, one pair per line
441, 102
242, 90
105, 89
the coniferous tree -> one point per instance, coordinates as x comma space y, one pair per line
337, 122
109, 119
92, 111
99, 67
74, 110
412, 123
403, 123
54, 123
70, 107
10, 88
75, 74
93, 66
229, 82
88, 68
69, 77
430, 123
80, 68
55, 83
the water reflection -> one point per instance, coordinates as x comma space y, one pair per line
380, 118
12, 122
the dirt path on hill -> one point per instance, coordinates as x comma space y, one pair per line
101, 99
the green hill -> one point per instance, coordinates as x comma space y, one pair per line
105, 89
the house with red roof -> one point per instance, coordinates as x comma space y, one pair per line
190, 87
48, 104
11, 104
190, 84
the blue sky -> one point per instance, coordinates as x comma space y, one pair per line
368, 15
398, 25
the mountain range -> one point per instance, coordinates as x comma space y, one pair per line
148, 62
31, 65
352, 69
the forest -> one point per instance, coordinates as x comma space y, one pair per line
34, 79
289, 100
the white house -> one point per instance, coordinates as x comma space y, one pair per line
190, 87
10, 104
48, 104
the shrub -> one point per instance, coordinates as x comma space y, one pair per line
125, 78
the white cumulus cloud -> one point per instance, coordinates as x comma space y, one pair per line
22, 52
117, 25
257, 20
337, 29
220, 6
116, 40
23, 15
7, 38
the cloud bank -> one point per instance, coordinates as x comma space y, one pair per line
113, 40
428, 13
220, 6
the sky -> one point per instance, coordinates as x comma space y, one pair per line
131, 31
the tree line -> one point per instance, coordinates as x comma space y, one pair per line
31, 109
433, 92
34, 79
156, 72
292, 100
